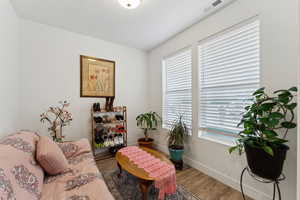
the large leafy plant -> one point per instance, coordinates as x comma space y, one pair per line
148, 121
177, 134
266, 118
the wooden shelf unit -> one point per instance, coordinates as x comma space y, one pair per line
104, 152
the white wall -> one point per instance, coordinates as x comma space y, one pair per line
51, 72
279, 69
9, 68
49, 60
298, 142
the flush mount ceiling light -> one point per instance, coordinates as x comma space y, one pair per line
130, 4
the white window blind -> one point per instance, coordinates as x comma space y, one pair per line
177, 88
229, 66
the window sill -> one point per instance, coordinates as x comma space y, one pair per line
220, 139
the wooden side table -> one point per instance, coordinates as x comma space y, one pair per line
145, 180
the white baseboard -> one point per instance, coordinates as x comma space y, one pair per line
227, 180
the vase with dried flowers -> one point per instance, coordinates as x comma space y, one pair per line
57, 117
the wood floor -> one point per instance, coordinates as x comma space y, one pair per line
206, 187
196, 182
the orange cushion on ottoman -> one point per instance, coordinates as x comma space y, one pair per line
50, 156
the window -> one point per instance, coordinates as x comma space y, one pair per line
229, 67
177, 88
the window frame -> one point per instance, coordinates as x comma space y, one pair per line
164, 84
214, 136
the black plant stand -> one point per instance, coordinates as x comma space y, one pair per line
178, 164
262, 180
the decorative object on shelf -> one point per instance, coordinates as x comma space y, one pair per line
97, 77
109, 103
96, 107
262, 180
148, 121
119, 117
262, 121
57, 117
130, 4
98, 119
176, 138
106, 119
109, 131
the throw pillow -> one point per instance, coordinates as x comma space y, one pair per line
73, 149
50, 156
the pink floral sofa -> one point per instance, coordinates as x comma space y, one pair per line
22, 178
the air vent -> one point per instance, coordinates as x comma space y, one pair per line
217, 2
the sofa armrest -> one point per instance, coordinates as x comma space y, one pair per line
75, 148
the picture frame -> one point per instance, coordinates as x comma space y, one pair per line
97, 77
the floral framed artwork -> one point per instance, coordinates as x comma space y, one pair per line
97, 77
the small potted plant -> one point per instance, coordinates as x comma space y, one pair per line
148, 121
263, 122
176, 138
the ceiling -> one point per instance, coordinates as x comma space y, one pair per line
144, 28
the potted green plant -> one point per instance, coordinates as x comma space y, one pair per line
147, 121
176, 138
263, 123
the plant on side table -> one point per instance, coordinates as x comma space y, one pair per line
148, 121
176, 139
263, 123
